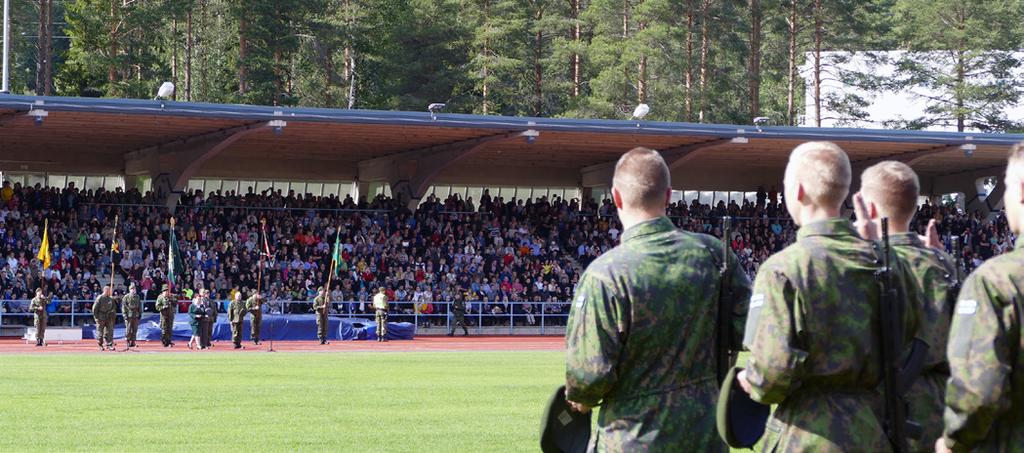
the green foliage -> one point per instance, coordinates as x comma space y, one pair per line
404, 54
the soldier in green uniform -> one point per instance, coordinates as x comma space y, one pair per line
459, 313
985, 392
131, 308
320, 304
165, 304
813, 321
255, 306
104, 312
213, 310
236, 316
891, 189
640, 339
380, 308
38, 309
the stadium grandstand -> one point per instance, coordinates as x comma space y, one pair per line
502, 212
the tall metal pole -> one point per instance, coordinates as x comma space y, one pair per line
7, 48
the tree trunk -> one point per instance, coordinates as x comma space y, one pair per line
188, 53
704, 42
48, 50
41, 48
112, 65
352, 82
538, 70
755, 59
577, 80
817, 62
484, 87
328, 79
174, 55
242, 51
688, 77
625, 36
960, 78
277, 56
791, 70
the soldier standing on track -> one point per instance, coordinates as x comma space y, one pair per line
320, 307
813, 324
104, 312
166, 305
38, 309
459, 313
236, 316
657, 387
212, 311
380, 307
891, 189
985, 392
131, 308
255, 306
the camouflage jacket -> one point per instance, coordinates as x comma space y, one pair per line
131, 306
319, 303
459, 307
640, 339
236, 311
164, 302
105, 307
255, 305
38, 306
812, 332
985, 394
934, 279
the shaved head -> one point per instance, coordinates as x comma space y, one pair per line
642, 179
893, 188
1013, 197
822, 169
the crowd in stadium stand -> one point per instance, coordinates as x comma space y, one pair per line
490, 251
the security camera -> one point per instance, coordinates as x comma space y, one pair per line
436, 107
762, 120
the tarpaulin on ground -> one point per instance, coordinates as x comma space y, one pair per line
276, 327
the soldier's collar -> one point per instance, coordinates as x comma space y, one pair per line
909, 238
647, 227
829, 227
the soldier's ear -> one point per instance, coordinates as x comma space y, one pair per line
617, 198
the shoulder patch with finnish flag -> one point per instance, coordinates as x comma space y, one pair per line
580, 299
756, 301
967, 307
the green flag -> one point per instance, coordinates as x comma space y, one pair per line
336, 261
174, 265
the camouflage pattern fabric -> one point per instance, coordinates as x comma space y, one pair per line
165, 305
320, 308
459, 313
640, 340
381, 318
104, 312
255, 306
131, 308
985, 394
236, 316
38, 309
934, 277
812, 330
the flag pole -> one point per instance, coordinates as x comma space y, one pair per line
333, 266
46, 240
113, 247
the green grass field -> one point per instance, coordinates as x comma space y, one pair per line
367, 402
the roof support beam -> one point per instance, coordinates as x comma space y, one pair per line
172, 164
600, 175
410, 173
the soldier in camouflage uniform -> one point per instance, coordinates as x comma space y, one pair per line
255, 306
985, 392
104, 312
131, 308
320, 304
38, 309
813, 320
641, 336
380, 308
891, 189
236, 316
459, 313
166, 306
213, 310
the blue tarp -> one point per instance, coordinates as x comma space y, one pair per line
276, 327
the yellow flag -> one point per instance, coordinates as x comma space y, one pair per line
44, 248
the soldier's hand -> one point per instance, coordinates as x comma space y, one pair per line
866, 227
940, 446
581, 408
744, 383
931, 236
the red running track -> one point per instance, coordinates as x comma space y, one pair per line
420, 344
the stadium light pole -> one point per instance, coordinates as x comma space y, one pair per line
6, 88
